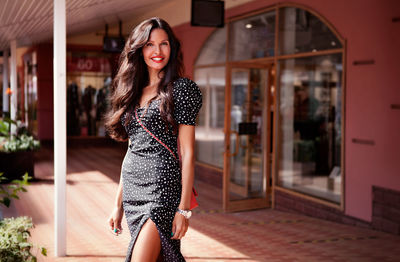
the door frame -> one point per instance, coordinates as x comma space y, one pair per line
254, 203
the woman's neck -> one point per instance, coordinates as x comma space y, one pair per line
154, 77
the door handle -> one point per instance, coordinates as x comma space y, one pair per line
237, 144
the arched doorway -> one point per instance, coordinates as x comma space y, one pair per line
278, 74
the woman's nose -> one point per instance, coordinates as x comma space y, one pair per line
158, 49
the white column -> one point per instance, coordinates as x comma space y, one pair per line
5, 81
60, 126
13, 84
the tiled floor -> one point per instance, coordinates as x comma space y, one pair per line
261, 235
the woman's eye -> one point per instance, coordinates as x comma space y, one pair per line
149, 44
165, 43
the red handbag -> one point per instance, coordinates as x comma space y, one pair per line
193, 200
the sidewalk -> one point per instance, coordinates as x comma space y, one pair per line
261, 235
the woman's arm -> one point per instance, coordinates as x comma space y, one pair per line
187, 142
117, 213
118, 198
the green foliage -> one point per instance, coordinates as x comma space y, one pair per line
10, 191
3, 128
14, 232
14, 244
21, 141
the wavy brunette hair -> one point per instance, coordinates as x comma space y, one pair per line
133, 76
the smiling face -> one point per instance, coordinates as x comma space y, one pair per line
157, 50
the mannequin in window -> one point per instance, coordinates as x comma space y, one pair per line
101, 104
73, 111
305, 108
88, 106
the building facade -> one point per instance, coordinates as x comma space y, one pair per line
301, 108
300, 104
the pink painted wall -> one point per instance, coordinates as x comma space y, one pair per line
367, 27
192, 41
45, 91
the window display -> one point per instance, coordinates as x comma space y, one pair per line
260, 29
310, 126
306, 100
300, 31
209, 133
31, 93
89, 81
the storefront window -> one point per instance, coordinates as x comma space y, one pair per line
213, 51
300, 31
252, 37
307, 130
89, 80
310, 126
31, 94
211, 80
209, 133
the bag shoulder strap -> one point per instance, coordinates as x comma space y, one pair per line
193, 201
156, 138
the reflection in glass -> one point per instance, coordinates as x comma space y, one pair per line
31, 94
213, 51
252, 37
209, 133
246, 141
301, 31
310, 126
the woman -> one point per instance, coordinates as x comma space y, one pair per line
153, 106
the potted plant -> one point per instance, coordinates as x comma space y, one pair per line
15, 232
16, 149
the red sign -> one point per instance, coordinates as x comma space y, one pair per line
88, 64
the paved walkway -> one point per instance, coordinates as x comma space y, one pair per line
261, 235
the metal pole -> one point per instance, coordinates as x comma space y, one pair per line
60, 126
5, 82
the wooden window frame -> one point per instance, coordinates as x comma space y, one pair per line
275, 60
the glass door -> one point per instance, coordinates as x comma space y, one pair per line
247, 138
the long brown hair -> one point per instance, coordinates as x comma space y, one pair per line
133, 76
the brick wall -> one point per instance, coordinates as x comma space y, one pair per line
385, 205
290, 203
386, 210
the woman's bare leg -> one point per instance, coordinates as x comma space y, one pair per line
148, 245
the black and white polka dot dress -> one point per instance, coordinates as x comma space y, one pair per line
151, 176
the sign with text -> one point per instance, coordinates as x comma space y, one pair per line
88, 64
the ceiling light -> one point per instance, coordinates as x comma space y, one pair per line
248, 26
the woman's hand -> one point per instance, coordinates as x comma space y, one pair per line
115, 220
179, 226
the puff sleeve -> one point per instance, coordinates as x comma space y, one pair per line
187, 101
